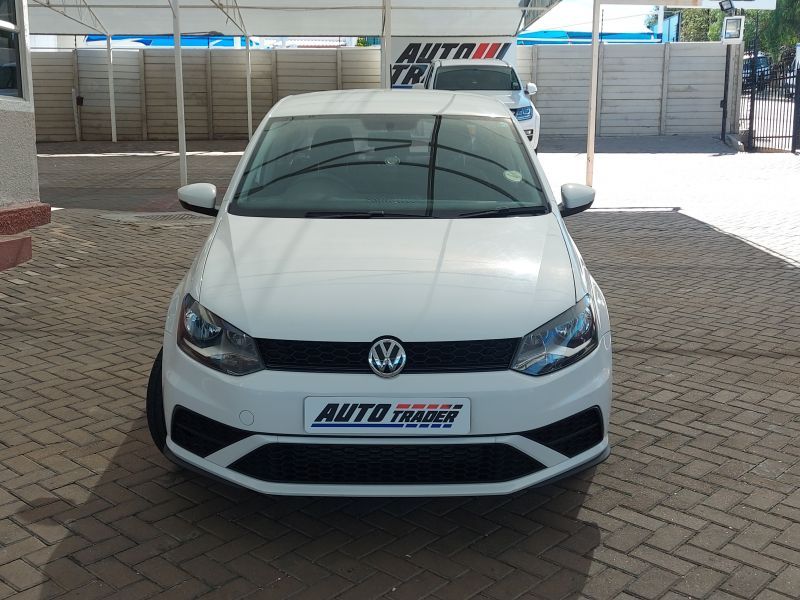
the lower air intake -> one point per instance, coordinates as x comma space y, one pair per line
572, 435
386, 463
201, 435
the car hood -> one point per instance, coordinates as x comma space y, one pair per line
415, 279
512, 99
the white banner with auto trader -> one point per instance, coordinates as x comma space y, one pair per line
412, 56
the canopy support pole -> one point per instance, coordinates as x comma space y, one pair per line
176, 32
111, 101
593, 94
249, 90
386, 45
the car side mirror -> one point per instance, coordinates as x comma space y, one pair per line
417, 86
531, 89
575, 198
199, 198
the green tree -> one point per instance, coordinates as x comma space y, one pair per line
696, 24
651, 19
777, 29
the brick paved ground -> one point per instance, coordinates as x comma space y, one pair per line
700, 497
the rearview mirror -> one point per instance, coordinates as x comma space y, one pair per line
531, 89
575, 198
199, 197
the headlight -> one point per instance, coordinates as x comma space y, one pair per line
524, 113
215, 342
559, 343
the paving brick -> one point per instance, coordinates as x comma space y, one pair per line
67, 574
463, 587
113, 572
754, 559
662, 559
511, 586
20, 575
375, 586
208, 571
787, 581
699, 582
419, 586
747, 581
791, 536
713, 537
161, 572
607, 584
756, 536
627, 538
10, 532
669, 537
653, 583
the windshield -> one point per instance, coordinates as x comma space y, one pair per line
389, 166
468, 77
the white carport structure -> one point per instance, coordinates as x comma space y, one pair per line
385, 18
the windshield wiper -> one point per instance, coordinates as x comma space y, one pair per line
372, 214
508, 211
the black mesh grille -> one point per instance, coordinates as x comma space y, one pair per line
572, 435
386, 464
422, 357
201, 435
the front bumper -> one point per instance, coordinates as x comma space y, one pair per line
501, 402
531, 128
210, 468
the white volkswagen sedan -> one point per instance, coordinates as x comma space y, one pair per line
388, 304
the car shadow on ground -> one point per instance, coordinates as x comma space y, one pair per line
148, 526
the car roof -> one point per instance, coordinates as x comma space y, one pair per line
389, 102
483, 62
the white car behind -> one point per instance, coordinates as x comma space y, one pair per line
488, 77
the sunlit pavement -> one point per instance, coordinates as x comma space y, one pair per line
755, 196
700, 497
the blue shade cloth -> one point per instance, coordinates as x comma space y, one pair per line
532, 38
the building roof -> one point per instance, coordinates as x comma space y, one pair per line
391, 102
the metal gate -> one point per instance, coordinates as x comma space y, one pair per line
770, 109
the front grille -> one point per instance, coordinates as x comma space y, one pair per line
422, 357
201, 435
386, 463
572, 435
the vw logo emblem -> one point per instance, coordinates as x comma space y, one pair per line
387, 357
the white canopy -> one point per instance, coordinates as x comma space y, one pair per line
283, 17
385, 18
